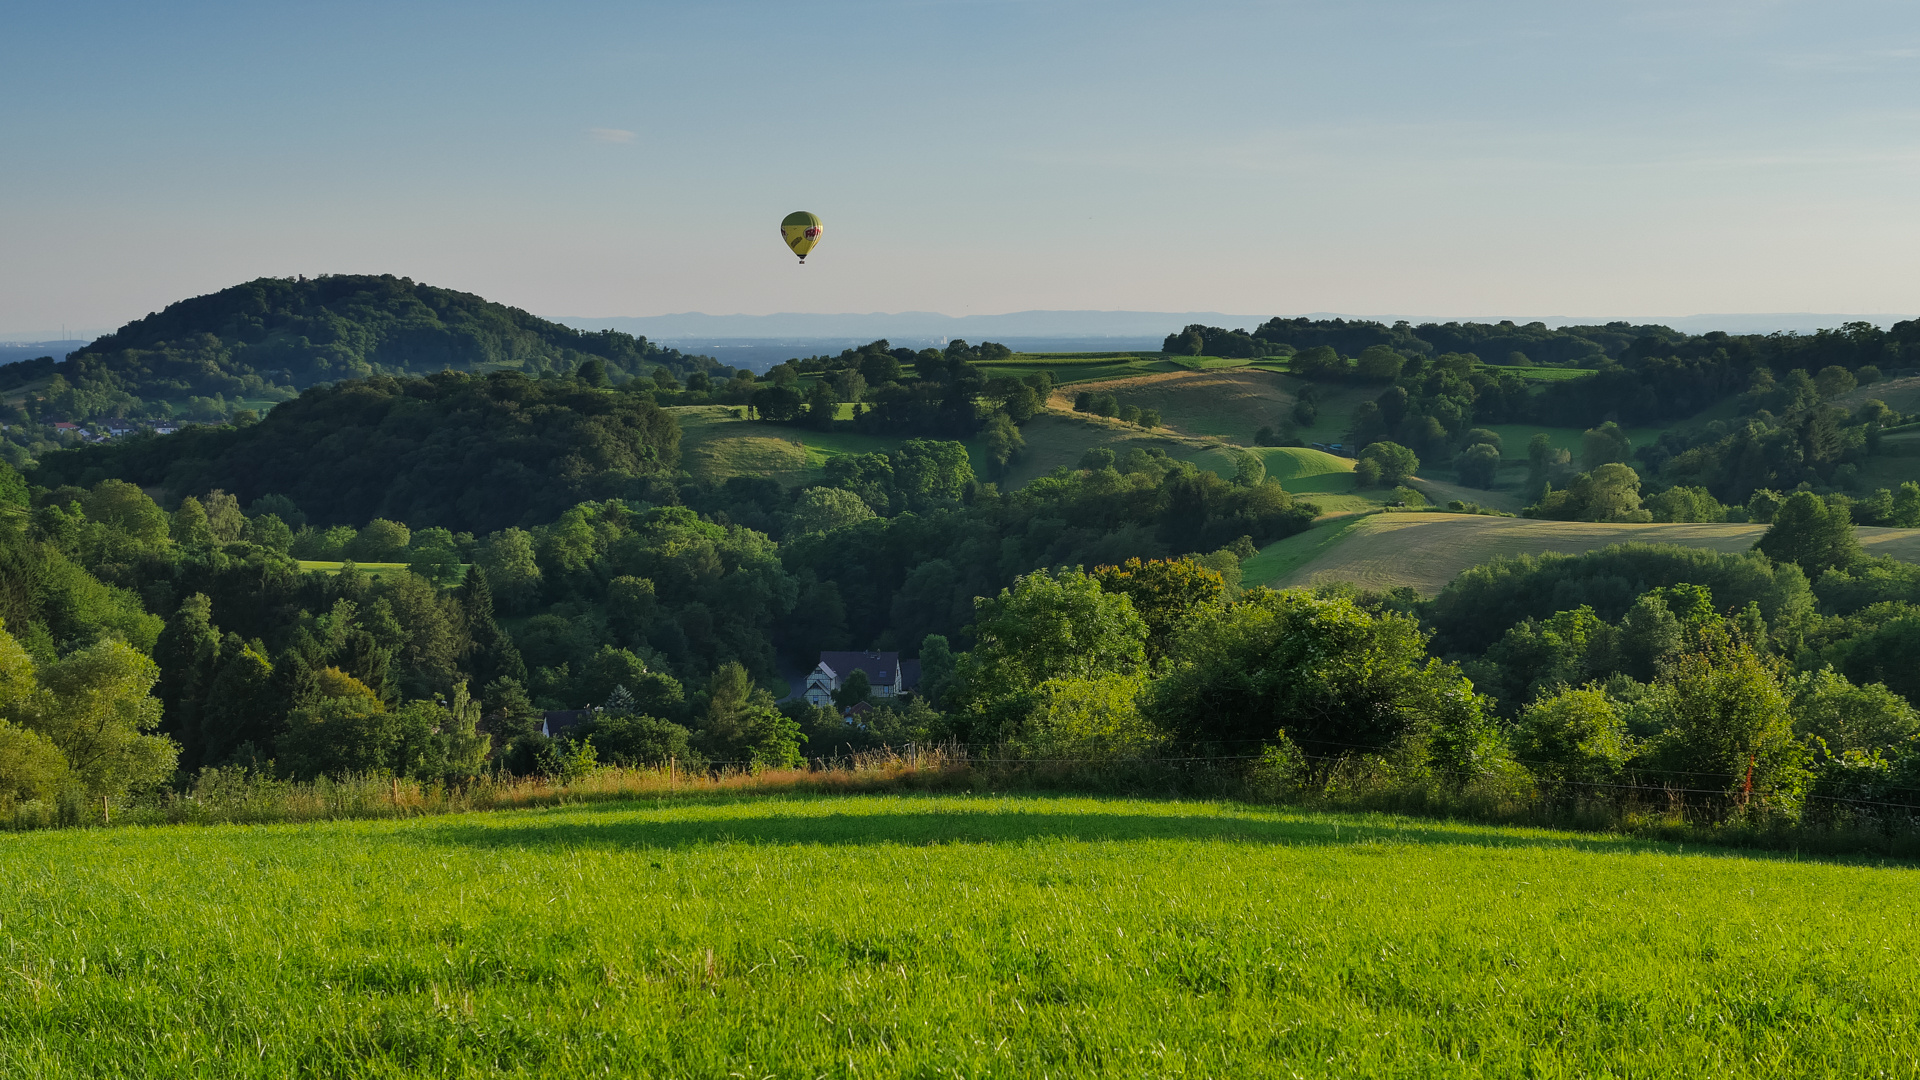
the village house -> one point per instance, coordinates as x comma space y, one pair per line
887, 674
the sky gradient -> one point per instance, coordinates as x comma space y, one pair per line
1535, 158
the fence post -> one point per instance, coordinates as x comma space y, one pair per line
105, 810
672, 762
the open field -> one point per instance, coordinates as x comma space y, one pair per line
1538, 374
943, 936
1061, 438
1901, 395
1514, 438
716, 445
1505, 497
1895, 466
1079, 367
1426, 551
1281, 558
1321, 478
372, 569
1230, 403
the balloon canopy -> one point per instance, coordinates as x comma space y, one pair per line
801, 231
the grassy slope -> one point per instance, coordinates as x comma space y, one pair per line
1280, 559
1428, 550
1061, 438
885, 936
1320, 478
1230, 403
716, 445
1901, 395
372, 569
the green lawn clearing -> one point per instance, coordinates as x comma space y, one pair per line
980, 936
1538, 374
716, 444
374, 569
1228, 403
1515, 437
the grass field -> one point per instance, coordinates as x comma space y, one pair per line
1515, 437
1426, 551
1061, 438
942, 936
1539, 374
1281, 558
716, 445
1900, 395
1230, 403
374, 569
1890, 470
1080, 367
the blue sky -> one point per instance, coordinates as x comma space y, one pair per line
1475, 158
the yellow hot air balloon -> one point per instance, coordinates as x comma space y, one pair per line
801, 231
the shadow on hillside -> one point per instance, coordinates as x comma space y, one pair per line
987, 826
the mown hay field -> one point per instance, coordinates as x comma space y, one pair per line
715, 444
971, 936
1901, 395
1425, 551
1058, 438
1230, 403
372, 569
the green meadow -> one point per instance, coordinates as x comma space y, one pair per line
974, 936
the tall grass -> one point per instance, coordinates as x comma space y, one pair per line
238, 796
1349, 784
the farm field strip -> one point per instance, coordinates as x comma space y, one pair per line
973, 936
1230, 403
1426, 551
374, 569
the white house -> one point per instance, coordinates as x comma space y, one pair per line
887, 674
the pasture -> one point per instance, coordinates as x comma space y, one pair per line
1425, 551
1901, 395
1230, 403
973, 936
715, 444
1538, 374
372, 569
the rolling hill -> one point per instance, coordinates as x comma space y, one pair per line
1425, 551
265, 340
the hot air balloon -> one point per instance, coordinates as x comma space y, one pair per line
801, 231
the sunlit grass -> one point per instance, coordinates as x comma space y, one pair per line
970, 936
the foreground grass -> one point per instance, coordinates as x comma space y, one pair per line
964, 936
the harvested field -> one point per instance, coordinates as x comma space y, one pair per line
1230, 403
1426, 551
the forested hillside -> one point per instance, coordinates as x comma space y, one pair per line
452, 450
272, 337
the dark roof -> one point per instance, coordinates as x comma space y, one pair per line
879, 666
563, 719
909, 674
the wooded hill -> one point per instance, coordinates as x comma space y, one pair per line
450, 450
272, 337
